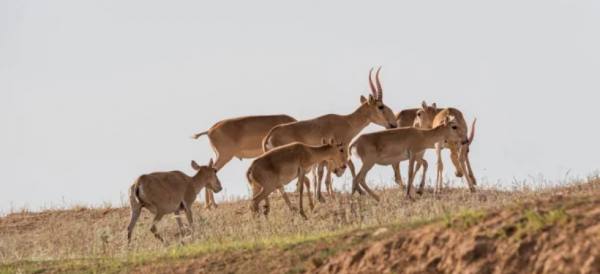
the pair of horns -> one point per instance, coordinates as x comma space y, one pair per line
377, 93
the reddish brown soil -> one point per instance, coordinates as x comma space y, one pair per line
555, 236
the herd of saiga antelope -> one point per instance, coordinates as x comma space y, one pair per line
286, 149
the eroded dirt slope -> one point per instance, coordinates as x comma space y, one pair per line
558, 235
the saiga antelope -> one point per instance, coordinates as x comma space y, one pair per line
339, 127
428, 117
392, 146
406, 118
279, 166
424, 117
169, 192
239, 137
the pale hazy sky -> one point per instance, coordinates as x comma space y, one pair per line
95, 93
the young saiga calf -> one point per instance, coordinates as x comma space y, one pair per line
281, 165
395, 145
169, 192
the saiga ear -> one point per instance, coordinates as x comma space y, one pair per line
195, 166
371, 99
323, 141
424, 105
362, 99
210, 163
434, 106
331, 141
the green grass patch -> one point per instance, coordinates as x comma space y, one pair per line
535, 221
464, 219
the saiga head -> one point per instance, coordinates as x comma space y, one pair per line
379, 113
425, 116
339, 154
454, 132
208, 175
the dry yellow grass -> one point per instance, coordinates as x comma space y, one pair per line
100, 232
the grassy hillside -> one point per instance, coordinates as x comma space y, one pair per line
477, 230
